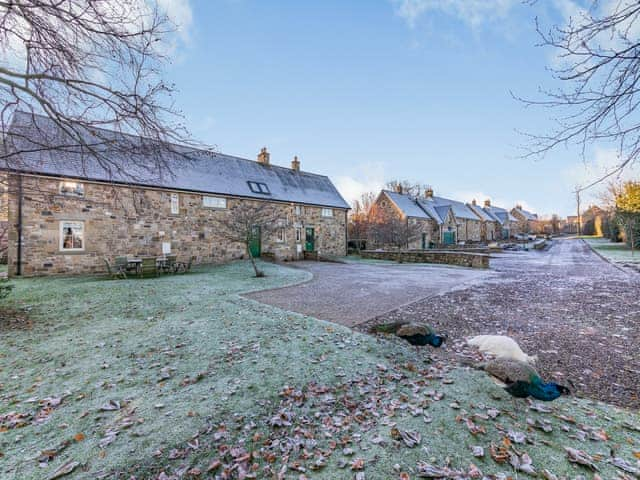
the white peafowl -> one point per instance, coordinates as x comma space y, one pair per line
501, 346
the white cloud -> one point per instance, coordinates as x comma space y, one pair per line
365, 178
181, 15
604, 161
472, 12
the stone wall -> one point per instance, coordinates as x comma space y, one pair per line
469, 230
462, 259
122, 220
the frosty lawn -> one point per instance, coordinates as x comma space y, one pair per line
614, 252
180, 374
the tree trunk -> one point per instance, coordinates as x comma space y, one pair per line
257, 271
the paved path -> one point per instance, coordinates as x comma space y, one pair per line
580, 314
352, 293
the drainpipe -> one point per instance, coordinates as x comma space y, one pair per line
19, 259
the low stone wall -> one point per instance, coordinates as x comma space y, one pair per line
444, 257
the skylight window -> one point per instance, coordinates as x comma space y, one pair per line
259, 187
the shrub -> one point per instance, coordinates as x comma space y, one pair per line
5, 288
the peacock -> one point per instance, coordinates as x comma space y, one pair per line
414, 333
521, 380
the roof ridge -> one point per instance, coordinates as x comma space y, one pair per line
193, 149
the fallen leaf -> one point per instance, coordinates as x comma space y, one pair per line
64, 469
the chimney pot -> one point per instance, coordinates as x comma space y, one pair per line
473, 202
399, 188
263, 156
428, 193
487, 203
295, 164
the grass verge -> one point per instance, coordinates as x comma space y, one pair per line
180, 376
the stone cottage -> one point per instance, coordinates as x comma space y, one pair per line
506, 225
62, 221
527, 222
437, 220
488, 224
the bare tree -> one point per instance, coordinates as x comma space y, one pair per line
358, 226
599, 62
93, 70
248, 222
413, 189
388, 230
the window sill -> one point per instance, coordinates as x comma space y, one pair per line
72, 252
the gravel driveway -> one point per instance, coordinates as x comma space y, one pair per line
580, 314
353, 293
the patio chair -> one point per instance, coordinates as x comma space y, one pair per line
184, 267
122, 264
114, 272
170, 265
148, 267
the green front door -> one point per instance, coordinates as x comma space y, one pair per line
255, 241
449, 238
310, 240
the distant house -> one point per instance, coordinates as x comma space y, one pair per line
62, 221
437, 220
506, 224
489, 226
571, 225
527, 222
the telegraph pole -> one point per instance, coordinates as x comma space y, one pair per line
578, 208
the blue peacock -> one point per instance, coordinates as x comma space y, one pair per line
521, 380
414, 333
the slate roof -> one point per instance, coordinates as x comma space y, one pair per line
477, 209
460, 210
434, 208
501, 215
406, 204
198, 171
527, 215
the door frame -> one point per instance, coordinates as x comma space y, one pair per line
255, 241
306, 239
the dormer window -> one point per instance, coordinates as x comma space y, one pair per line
73, 189
259, 187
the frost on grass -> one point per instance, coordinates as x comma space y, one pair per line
181, 377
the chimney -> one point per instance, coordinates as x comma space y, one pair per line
487, 203
263, 156
518, 207
399, 188
295, 164
428, 193
473, 202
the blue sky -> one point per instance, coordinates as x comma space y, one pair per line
371, 90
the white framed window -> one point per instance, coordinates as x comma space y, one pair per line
166, 248
298, 210
73, 189
327, 212
214, 202
298, 234
280, 234
259, 187
71, 236
175, 204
